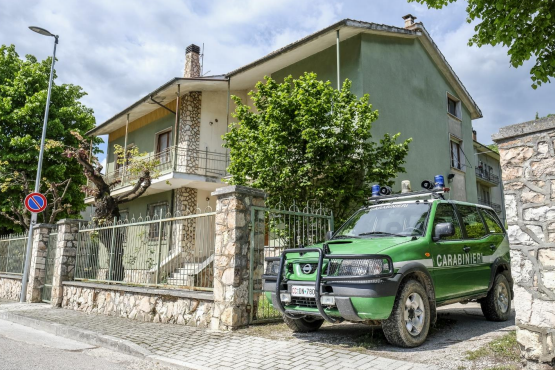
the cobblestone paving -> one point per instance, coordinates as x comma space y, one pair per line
205, 349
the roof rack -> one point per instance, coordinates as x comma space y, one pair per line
434, 194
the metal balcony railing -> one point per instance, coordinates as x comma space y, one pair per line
177, 159
496, 207
487, 175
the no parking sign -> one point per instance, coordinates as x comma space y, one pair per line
35, 202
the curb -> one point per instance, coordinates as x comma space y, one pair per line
93, 338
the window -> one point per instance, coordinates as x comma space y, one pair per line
456, 160
163, 146
446, 213
472, 222
155, 211
124, 215
453, 107
493, 225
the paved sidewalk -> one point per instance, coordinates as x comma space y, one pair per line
195, 348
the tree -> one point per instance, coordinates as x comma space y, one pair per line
527, 28
137, 167
493, 147
309, 142
23, 91
549, 115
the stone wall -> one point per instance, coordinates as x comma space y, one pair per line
142, 304
10, 287
528, 167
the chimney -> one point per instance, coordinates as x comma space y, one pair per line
474, 136
409, 20
192, 61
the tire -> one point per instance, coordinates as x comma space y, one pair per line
497, 305
411, 303
303, 325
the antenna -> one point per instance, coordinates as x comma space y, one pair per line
202, 60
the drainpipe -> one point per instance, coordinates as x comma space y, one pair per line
227, 118
338, 65
125, 150
176, 131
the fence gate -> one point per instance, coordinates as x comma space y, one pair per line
46, 290
272, 231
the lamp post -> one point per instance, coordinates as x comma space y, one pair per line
25, 278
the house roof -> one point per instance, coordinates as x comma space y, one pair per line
247, 76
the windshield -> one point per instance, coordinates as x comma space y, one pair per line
405, 219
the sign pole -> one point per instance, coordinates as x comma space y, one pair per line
33, 221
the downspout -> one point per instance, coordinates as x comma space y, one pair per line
227, 120
338, 64
176, 131
125, 150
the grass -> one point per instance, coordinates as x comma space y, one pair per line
371, 340
503, 350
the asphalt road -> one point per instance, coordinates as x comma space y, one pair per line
22, 347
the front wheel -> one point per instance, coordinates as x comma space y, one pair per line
497, 305
304, 324
409, 322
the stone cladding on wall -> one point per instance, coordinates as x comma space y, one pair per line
10, 287
528, 167
142, 304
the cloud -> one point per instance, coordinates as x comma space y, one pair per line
118, 51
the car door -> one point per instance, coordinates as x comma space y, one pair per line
476, 248
448, 277
495, 236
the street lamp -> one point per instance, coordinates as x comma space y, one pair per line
25, 278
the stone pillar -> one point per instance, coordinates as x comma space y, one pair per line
37, 271
528, 170
64, 264
232, 257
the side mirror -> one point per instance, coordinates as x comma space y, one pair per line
329, 235
443, 229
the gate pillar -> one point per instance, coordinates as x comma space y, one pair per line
64, 264
37, 272
232, 255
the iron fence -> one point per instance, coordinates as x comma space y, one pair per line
496, 207
12, 253
272, 231
487, 175
160, 251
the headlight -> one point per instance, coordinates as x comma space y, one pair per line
272, 267
358, 267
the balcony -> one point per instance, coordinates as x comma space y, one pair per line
486, 177
496, 207
177, 167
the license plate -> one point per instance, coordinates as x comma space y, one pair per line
302, 291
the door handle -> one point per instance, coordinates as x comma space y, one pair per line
492, 247
466, 249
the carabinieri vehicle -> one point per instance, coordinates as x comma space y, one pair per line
395, 262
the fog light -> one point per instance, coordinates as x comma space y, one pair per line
285, 297
327, 300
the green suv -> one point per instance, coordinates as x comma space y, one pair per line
394, 263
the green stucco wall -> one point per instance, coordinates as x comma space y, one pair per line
409, 92
143, 138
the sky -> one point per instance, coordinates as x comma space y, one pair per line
119, 51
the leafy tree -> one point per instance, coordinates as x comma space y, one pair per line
306, 141
527, 28
493, 147
549, 115
137, 168
23, 91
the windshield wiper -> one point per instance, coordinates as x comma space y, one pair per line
381, 233
345, 237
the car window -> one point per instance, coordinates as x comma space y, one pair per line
472, 222
446, 213
493, 226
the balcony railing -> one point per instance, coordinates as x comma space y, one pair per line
177, 159
496, 207
487, 175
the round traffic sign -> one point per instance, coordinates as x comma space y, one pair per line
35, 202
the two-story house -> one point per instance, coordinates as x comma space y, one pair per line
415, 90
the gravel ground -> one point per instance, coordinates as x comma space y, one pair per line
460, 328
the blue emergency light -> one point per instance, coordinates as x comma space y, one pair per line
439, 182
375, 190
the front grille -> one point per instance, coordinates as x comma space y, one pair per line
303, 301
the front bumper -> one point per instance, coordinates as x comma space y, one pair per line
356, 298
